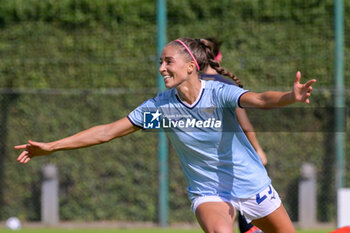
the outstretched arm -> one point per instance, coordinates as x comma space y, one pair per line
272, 99
93, 136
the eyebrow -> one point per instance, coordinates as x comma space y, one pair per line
166, 58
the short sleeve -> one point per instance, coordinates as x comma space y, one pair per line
229, 95
136, 117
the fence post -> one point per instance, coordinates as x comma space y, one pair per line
49, 196
163, 192
307, 197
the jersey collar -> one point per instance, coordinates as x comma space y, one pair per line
191, 106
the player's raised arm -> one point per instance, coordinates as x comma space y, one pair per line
271, 99
93, 136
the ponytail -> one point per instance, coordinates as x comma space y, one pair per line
216, 66
209, 49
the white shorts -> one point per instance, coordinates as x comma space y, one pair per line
255, 207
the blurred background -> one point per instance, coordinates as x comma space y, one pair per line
71, 64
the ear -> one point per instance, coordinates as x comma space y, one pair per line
191, 67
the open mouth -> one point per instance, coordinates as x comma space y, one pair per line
166, 77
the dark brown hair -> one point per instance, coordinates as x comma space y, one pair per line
216, 44
202, 50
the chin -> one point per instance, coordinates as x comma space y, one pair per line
168, 84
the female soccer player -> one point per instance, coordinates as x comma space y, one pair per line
221, 167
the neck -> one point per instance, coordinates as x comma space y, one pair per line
210, 70
189, 91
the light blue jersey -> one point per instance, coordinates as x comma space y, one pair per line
215, 154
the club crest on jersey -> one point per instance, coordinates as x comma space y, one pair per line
151, 120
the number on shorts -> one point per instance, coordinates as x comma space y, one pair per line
261, 199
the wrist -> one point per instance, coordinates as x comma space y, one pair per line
292, 96
52, 147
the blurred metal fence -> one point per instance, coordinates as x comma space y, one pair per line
57, 80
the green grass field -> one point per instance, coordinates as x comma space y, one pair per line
148, 230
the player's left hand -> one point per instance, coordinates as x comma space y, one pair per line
302, 92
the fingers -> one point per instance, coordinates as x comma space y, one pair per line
307, 100
25, 146
304, 89
297, 77
24, 157
19, 147
32, 142
310, 82
24, 160
308, 89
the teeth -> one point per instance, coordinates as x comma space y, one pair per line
165, 77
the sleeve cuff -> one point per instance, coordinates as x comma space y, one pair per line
239, 99
132, 122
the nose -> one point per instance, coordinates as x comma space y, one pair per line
161, 67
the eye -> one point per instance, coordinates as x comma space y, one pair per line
167, 61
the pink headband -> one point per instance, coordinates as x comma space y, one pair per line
218, 57
189, 51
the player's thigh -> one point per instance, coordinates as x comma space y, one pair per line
216, 217
276, 222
